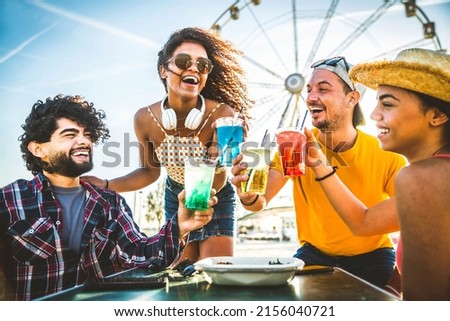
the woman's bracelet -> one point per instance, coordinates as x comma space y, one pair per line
318, 179
251, 203
107, 183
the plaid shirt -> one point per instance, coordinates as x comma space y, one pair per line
38, 262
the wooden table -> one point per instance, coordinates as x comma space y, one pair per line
334, 285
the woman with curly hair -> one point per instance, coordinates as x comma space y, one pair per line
203, 82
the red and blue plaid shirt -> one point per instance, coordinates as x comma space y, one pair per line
37, 261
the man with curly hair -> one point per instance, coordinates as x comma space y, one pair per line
203, 81
56, 231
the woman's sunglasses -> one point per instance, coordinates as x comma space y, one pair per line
184, 62
331, 62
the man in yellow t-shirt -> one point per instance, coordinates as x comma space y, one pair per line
366, 169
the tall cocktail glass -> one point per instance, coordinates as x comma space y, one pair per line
198, 180
230, 133
291, 146
258, 160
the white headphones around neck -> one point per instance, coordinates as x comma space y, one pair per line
193, 119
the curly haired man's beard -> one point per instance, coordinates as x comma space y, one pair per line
63, 165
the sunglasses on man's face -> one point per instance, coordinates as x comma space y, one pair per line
185, 61
331, 62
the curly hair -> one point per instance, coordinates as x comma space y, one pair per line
41, 123
226, 82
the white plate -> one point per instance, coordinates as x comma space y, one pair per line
249, 271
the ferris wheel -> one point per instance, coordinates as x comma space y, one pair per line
280, 40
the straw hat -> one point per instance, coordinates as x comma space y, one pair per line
420, 70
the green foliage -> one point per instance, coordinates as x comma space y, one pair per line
155, 204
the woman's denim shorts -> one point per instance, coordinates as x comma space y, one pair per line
222, 223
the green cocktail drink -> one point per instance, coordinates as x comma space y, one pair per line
198, 179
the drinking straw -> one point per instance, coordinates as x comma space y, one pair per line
237, 115
304, 118
263, 142
296, 123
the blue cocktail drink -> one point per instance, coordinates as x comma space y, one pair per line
230, 133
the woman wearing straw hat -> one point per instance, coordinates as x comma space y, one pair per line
412, 116
324, 238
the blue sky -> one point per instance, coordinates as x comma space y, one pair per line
106, 51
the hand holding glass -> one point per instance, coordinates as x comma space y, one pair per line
291, 146
230, 133
258, 160
198, 180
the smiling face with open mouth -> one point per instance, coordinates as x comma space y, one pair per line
186, 83
69, 151
326, 100
402, 125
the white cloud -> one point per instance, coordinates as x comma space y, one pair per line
114, 31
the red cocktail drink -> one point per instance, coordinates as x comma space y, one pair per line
291, 146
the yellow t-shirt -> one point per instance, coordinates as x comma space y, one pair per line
368, 171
